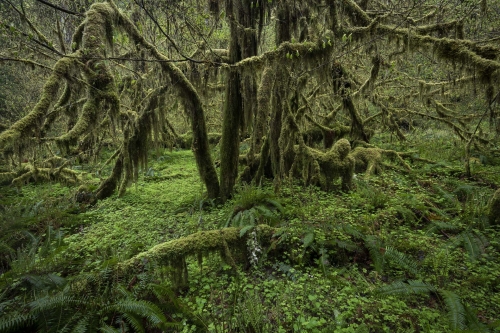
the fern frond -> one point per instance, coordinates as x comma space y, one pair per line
402, 260
171, 303
456, 310
473, 323
108, 329
81, 326
412, 287
245, 229
275, 204
350, 230
440, 225
14, 322
53, 302
346, 245
134, 322
473, 245
141, 308
374, 247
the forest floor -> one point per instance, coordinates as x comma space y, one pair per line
402, 252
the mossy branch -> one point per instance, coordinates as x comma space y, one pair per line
200, 243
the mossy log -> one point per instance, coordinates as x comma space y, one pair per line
494, 208
225, 241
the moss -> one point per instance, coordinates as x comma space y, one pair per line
31, 171
107, 187
494, 208
369, 159
326, 167
192, 104
30, 125
224, 241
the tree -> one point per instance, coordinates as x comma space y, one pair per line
337, 69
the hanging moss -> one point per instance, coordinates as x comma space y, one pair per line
192, 104
30, 125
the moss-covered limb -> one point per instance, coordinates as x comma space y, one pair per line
200, 243
102, 93
453, 50
329, 118
301, 111
29, 62
192, 103
108, 187
461, 132
297, 51
357, 15
61, 174
330, 134
442, 28
494, 209
30, 125
368, 160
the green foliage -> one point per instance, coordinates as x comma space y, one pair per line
252, 206
339, 262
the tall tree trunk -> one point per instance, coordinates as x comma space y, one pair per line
232, 116
243, 44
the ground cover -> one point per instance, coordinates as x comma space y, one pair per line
402, 252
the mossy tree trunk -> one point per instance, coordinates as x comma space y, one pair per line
243, 44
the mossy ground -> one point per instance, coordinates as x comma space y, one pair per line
319, 274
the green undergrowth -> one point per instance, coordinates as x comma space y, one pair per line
402, 252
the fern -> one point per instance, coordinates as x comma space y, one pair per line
81, 326
456, 310
411, 287
15, 322
54, 302
473, 323
141, 308
436, 226
252, 206
171, 303
108, 329
473, 245
350, 230
134, 322
346, 245
374, 247
401, 259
